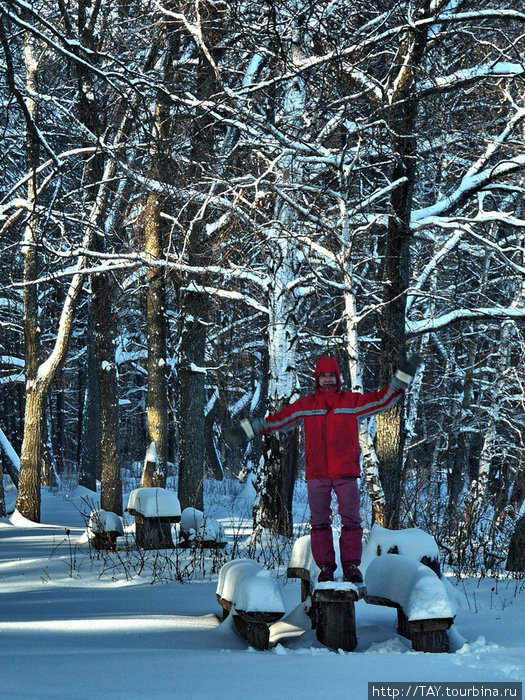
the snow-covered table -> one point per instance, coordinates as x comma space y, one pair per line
254, 598
154, 509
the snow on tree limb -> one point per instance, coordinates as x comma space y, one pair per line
427, 325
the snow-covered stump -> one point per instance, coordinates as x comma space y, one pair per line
424, 611
253, 596
154, 510
103, 529
332, 605
197, 530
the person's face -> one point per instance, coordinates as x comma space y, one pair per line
327, 380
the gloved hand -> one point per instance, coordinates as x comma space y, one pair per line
410, 365
238, 435
407, 369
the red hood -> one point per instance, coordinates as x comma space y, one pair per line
327, 365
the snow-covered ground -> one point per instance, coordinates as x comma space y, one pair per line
80, 625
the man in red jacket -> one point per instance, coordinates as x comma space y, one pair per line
330, 418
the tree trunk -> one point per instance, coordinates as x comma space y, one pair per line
104, 345
89, 457
402, 122
192, 400
103, 316
277, 475
350, 320
28, 501
2, 495
516, 555
157, 397
195, 304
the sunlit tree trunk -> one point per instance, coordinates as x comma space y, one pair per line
278, 470
154, 245
28, 501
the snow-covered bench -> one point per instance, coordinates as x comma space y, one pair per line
198, 530
103, 529
254, 598
154, 509
332, 604
402, 571
411, 542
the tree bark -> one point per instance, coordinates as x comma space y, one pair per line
157, 396
103, 315
401, 116
28, 501
195, 304
89, 452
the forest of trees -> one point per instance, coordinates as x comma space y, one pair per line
200, 198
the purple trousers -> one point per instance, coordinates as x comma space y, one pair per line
350, 541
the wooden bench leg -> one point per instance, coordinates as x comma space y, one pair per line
334, 621
105, 540
434, 641
402, 624
257, 634
425, 635
306, 590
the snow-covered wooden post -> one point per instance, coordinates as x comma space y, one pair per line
334, 614
154, 509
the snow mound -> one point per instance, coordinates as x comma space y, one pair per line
19, 520
410, 584
154, 503
301, 557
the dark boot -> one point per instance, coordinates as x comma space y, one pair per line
351, 574
325, 575
322, 544
351, 549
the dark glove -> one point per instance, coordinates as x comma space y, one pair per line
410, 365
406, 370
238, 435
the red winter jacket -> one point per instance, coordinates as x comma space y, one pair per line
330, 418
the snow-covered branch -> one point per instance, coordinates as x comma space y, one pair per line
428, 325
